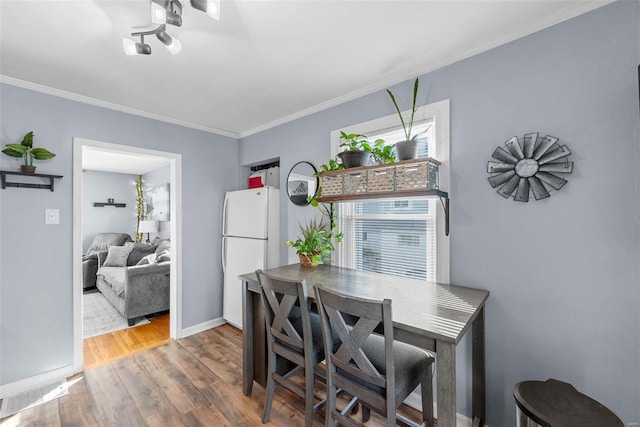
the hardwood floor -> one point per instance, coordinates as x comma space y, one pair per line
116, 345
194, 381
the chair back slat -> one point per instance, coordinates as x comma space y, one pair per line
349, 356
280, 297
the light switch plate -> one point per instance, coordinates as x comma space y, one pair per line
52, 216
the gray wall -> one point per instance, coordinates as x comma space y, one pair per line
36, 328
563, 272
99, 187
154, 178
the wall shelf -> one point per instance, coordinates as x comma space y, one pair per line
103, 204
50, 186
407, 178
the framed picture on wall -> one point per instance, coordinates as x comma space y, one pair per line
157, 203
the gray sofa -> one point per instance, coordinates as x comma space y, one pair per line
139, 288
99, 245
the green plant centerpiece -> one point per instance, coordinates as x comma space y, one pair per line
315, 242
28, 153
358, 151
408, 149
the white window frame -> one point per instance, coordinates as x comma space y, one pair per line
440, 112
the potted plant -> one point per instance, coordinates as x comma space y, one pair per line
357, 150
28, 153
383, 153
315, 244
407, 149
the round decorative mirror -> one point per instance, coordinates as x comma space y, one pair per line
302, 183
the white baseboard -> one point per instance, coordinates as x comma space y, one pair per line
192, 330
415, 401
36, 381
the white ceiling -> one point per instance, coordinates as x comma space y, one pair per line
263, 63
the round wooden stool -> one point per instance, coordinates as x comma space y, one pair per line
552, 403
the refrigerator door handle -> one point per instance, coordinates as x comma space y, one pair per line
224, 215
224, 255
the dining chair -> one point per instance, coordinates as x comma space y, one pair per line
294, 334
379, 372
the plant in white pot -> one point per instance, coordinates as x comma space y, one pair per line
408, 149
28, 153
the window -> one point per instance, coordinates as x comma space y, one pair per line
404, 236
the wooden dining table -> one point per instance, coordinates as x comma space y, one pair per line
429, 315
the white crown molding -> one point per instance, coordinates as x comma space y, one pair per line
111, 106
556, 18
578, 9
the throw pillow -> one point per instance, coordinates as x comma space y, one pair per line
149, 259
140, 250
163, 251
117, 256
164, 256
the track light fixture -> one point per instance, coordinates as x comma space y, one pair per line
169, 12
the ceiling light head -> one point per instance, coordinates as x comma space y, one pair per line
131, 47
210, 7
159, 11
166, 12
173, 45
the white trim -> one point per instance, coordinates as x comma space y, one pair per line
175, 164
111, 106
196, 329
441, 111
36, 381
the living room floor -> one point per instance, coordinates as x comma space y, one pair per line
192, 381
106, 348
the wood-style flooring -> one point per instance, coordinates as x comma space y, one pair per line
194, 381
107, 348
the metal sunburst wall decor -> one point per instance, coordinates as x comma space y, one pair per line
530, 164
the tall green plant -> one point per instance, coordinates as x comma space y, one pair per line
407, 126
139, 207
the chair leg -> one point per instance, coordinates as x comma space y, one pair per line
330, 406
308, 394
271, 386
427, 398
366, 413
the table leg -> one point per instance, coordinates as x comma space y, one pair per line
446, 385
247, 339
477, 367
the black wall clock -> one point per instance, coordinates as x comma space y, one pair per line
529, 165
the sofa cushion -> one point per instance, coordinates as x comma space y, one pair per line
117, 256
103, 241
149, 259
114, 277
141, 250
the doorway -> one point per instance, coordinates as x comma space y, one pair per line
174, 161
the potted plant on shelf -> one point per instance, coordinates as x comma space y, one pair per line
315, 244
28, 153
407, 149
357, 150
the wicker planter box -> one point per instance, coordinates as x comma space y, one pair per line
381, 179
354, 182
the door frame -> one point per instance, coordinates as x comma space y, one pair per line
175, 194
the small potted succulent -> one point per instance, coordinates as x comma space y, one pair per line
314, 244
407, 149
28, 153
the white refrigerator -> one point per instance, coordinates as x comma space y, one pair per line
250, 240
